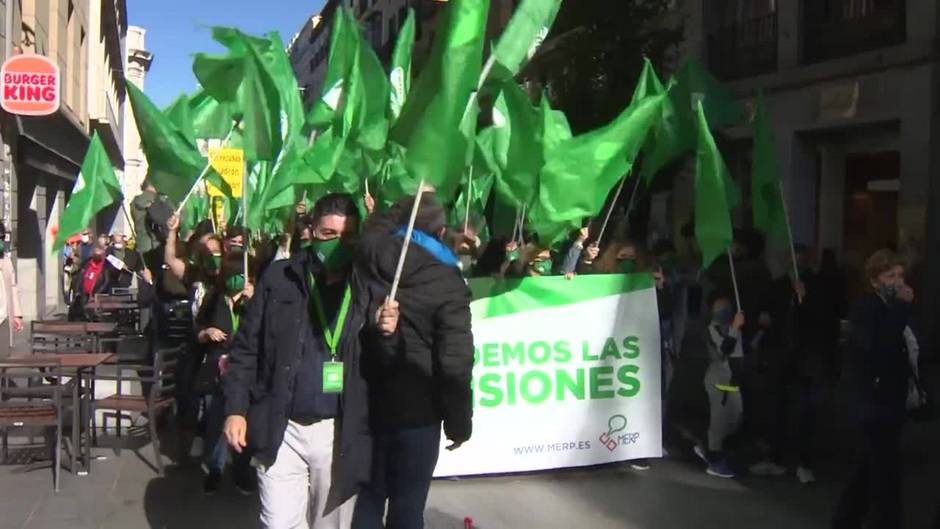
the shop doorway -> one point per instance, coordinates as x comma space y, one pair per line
870, 221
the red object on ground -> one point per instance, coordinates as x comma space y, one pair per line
468, 523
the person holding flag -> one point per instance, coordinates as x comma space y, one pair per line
295, 395
422, 381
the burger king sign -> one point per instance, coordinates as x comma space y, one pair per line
30, 85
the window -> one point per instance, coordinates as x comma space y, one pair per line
392, 27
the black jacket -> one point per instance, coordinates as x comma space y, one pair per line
428, 377
876, 366
265, 356
79, 298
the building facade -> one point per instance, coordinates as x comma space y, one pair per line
42, 155
381, 20
135, 163
853, 90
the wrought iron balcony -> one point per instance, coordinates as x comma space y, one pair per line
744, 49
838, 28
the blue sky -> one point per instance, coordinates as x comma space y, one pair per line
176, 29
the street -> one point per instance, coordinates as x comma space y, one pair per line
124, 493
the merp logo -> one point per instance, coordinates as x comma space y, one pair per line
612, 438
30, 85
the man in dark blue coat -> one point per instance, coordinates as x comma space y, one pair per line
295, 395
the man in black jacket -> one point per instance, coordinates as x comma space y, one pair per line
295, 396
426, 381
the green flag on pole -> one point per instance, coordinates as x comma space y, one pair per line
96, 188
429, 126
244, 77
179, 112
173, 161
766, 198
715, 195
343, 39
400, 75
517, 145
676, 134
525, 32
211, 119
580, 172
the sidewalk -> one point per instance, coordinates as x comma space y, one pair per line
125, 493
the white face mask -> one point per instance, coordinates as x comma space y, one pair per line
86, 239
119, 246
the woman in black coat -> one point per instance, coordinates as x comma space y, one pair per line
877, 372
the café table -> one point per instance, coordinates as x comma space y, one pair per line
82, 363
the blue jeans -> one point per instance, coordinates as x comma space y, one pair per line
402, 465
216, 448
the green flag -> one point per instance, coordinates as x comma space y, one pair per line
194, 211
676, 134
400, 75
244, 78
173, 161
365, 101
715, 196
430, 123
179, 112
343, 43
525, 32
95, 188
580, 172
693, 84
211, 119
517, 145
766, 198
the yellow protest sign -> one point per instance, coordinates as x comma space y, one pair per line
230, 164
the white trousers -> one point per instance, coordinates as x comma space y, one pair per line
294, 490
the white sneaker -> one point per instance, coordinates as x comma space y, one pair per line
196, 449
805, 475
767, 468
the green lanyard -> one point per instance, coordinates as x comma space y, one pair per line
330, 336
235, 318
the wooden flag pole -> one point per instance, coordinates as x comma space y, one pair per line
404, 246
734, 280
127, 217
786, 216
247, 235
466, 218
613, 203
522, 225
205, 170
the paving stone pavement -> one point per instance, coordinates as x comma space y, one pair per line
124, 492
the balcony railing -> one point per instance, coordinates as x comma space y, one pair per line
744, 49
838, 28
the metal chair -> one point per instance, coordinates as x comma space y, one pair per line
60, 337
158, 384
23, 404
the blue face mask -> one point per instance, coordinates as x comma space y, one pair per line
724, 316
888, 291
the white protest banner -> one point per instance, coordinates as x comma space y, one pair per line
566, 374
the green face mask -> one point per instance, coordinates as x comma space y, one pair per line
235, 284
627, 266
212, 263
542, 268
332, 253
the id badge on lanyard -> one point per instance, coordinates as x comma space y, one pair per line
333, 369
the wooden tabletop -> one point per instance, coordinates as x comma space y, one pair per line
111, 305
76, 360
30, 361
103, 327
